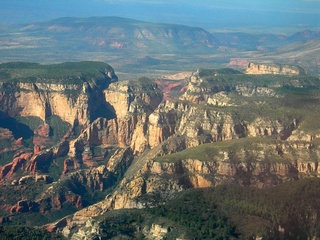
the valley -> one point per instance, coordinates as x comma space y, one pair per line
114, 128
138, 48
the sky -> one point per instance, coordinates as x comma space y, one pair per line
208, 14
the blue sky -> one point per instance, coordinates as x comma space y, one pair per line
209, 14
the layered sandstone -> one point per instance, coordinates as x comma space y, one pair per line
256, 162
132, 104
131, 139
45, 97
278, 69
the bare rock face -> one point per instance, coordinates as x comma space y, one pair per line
70, 188
43, 130
95, 178
128, 128
124, 96
69, 165
33, 103
62, 97
120, 161
263, 164
132, 104
268, 128
39, 161
18, 163
278, 69
143, 121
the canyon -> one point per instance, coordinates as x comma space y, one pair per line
93, 144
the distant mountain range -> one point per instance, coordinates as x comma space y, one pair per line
109, 33
126, 42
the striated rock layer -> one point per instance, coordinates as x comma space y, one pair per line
280, 69
221, 147
41, 97
143, 149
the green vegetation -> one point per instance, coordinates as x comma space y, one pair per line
56, 168
144, 85
26, 233
58, 127
31, 190
21, 127
64, 73
31, 121
6, 157
129, 224
199, 214
286, 98
226, 78
287, 211
208, 151
203, 72
123, 223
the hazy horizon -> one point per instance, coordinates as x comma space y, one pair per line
282, 16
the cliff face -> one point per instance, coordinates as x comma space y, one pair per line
225, 128
200, 140
132, 105
143, 121
280, 69
42, 97
32, 101
258, 162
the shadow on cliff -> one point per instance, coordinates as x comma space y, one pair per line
100, 108
18, 129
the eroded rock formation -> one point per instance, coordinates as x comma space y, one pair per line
280, 69
147, 148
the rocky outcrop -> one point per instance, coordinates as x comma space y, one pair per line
271, 128
262, 164
278, 69
125, 96
22, 207
214, 88
70, 189
258, 162
142, 121
156, 232
97, 178
39, 161
36, 178
42, 105
18, 163
32, 163
129, 142
132, 104
256, 151
199, 93
45, 97
120, 161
